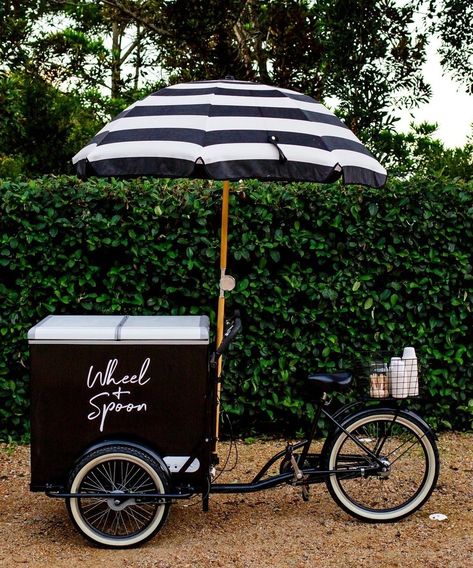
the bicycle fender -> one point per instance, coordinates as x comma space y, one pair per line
130, 444
359, 414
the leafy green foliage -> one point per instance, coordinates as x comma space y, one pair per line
17, 20
87, 45
364, 57
324, 273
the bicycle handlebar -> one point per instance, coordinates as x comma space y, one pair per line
230, 334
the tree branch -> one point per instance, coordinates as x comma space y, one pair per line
136, 17
125, 56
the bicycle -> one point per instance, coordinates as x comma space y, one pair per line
380, 464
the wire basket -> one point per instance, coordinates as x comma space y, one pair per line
382, 376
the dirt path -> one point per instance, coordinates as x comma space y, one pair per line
267, 529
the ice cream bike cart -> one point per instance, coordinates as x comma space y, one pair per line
125, 409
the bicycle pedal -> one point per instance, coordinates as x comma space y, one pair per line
305, 492
298, 475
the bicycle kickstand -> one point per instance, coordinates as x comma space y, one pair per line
306, 492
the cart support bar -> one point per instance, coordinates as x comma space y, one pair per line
251, 487
108, 495
312, 475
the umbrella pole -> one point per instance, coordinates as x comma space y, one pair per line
221, 299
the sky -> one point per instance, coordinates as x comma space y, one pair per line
450, 106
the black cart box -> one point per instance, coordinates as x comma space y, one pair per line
141, 379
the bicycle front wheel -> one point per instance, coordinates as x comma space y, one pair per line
387, 493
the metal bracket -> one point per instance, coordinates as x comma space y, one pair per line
227, 283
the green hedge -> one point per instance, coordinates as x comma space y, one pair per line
324, 273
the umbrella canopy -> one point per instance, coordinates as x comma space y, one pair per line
229, 130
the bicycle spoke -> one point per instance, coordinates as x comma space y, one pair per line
133, 518
139, 481
91, 506
98, 483
403, 453
103, 470
138, 515
103, 525
97, 515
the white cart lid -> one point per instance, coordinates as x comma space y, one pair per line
76, 327
167, 329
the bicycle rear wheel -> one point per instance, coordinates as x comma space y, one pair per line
390, 492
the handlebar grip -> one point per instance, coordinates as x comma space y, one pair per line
232, 331
228, 337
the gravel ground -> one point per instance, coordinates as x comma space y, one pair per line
274, 528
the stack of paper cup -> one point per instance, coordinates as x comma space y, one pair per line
397, 383
379, 385
411, 371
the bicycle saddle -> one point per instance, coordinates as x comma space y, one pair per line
326, 382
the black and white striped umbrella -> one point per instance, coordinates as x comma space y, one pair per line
229, 130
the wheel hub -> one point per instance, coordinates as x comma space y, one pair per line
118, 504
385, 468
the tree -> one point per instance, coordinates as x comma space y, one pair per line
418, 153
40, 127
17, 21
89, 44
363, 56
363, 52
452, 20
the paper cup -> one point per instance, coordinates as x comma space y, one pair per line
397, 382
409, 353
411, 374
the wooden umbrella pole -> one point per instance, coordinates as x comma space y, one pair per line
221, 299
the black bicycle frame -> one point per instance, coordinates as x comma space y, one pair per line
311, 475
